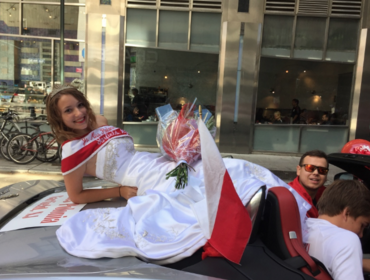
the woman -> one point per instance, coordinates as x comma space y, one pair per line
70, 116
161, 224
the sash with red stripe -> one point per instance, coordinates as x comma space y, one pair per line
76, 152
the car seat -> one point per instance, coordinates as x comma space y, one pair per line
281, 233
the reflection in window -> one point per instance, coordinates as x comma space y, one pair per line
74, 22
323, 91
309, 38
342, 39
9, 18
162, 76
277, 35
46, 23
205, 32
141, 27
73, 62
173, 36
25, 60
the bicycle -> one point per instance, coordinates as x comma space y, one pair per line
24, 148
6, 133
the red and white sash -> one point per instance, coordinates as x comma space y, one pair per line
76, 152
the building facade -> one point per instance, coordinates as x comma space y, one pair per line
279, 76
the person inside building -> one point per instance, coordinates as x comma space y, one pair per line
296, 112
325, 119
136, 100
312, 173
277, 118
334, 237
138, 115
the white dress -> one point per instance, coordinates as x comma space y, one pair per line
159, 225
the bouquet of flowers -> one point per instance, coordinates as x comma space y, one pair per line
178, 138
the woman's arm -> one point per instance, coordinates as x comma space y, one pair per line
77, 194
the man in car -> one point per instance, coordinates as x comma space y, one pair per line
334, 237
312, 171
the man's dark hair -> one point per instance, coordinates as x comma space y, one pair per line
135, 90
314, 153
342, 194
296, 101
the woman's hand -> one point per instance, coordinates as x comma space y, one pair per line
127, 192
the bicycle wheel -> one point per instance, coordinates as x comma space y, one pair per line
4, 145
48, 147
22, 148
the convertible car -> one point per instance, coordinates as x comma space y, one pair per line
275, 249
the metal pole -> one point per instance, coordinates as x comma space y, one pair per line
61, 42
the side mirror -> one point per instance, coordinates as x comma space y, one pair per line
344, 176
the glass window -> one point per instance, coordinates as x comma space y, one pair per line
9, 14
342, 39
323, 91
162, 76
205, 32
141, 27
73, 63
74, 22
309, 38
277, 35
173, 36
300, 92
46, 23
24, 65
43, 1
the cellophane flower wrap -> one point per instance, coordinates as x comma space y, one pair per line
178, 139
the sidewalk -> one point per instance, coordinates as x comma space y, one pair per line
283, 166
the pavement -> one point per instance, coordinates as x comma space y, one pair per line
284, 166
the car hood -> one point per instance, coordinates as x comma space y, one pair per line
36, 253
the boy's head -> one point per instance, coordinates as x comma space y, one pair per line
349, 201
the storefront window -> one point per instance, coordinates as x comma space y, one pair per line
342, 40
173, 77
315, 94
309, 38
46, 23
24, 74
320, 88
74, 22
73, 63
277, 35
9, 18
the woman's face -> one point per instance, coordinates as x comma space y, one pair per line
73, 112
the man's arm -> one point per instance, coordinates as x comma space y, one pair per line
366, 265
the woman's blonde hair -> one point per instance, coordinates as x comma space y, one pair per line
59, 129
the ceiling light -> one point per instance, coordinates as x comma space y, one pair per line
286, 71
50, 16
10, 14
